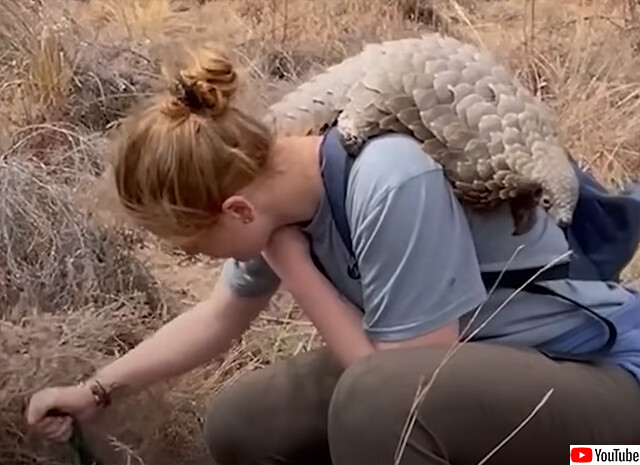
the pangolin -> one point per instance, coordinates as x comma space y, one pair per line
494, 139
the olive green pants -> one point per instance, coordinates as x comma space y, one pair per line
306, 410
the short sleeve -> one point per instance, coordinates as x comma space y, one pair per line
416, 257
252, 278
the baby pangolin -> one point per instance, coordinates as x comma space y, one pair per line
494, 139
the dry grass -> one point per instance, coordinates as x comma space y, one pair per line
74, 293
58, 70
53, 257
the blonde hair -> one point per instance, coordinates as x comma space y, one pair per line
179, 157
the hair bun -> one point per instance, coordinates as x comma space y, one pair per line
209, 82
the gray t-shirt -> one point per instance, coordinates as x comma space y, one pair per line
420, 254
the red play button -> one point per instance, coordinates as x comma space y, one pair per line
581, 455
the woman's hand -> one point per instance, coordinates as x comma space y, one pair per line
51, 410
287, 250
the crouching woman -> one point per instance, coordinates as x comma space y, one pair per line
197, 170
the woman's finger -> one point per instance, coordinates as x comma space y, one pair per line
47, 425
58, 428
63, 431
54, 426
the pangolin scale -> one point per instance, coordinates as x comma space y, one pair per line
494, 139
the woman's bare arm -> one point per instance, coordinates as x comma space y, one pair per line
186, 342
337, 320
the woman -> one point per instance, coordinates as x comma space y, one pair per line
209, 177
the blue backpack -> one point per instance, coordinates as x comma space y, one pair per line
603, 235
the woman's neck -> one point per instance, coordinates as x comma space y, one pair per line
296, 188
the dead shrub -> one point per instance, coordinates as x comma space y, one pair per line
107, 81
56, 70
67, 153
53, 256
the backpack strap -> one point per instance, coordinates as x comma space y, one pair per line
514, 279
535, 288
336, 165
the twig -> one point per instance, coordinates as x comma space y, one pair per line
493, 289
127, 450
528, 40
312, 337
467, 21
285, 21
518, 428
274, 26
283, 321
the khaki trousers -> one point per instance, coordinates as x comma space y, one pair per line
306, 410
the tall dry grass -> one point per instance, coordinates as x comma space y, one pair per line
70, 69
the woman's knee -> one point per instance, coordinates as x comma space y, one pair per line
377, 400
370, 407
225, 434
235, 423
477, 399
275, 414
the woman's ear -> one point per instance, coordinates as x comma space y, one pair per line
239, 208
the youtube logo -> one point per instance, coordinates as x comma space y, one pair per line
602, 455
581, 455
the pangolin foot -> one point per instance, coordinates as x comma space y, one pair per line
524, 211
352, 143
